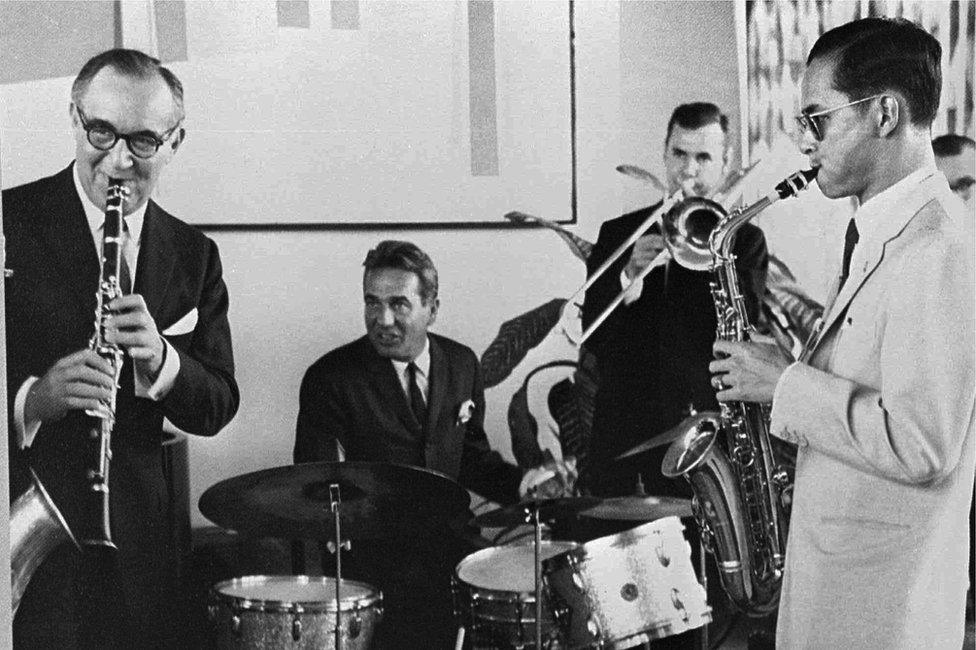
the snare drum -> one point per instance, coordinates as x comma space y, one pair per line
293, 612
626, 589
494, 596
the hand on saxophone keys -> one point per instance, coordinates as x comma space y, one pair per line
746, 371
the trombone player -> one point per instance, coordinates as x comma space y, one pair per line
653, 350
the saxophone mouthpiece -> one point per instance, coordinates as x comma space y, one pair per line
796, 183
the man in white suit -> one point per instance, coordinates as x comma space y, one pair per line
881, 403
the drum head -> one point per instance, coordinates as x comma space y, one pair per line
283, 593
507, 568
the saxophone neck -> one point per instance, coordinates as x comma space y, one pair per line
724, 234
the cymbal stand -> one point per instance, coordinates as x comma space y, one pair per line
703, 566
538, 575
337, 547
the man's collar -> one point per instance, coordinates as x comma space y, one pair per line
96, 217
422, 361
873, 217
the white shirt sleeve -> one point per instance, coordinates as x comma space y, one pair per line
164, 382
25, 431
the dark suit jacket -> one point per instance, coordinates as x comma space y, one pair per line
50, 303
653, 354
352, 395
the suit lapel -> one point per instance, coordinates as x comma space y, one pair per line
873, 250
157, 258
437, 385
871, 255
67, 234
441, 441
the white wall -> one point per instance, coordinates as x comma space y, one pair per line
296, 294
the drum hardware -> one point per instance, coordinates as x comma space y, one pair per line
336, 547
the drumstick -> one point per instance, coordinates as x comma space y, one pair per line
460, 639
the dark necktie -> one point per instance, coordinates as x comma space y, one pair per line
417, 403
850, 241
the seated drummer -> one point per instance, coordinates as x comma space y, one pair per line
403, 395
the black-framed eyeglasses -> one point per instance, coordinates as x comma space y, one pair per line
814, 121
143, 144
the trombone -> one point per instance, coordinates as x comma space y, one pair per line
686, 225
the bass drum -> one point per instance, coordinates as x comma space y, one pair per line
294, 612
626, 589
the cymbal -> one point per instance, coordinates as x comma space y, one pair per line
691, 422
635, 508
521, 512
377, 500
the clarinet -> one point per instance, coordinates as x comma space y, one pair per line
95, 527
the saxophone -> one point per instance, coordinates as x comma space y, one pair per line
741, 487
95, 529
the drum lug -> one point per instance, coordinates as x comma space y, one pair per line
235, 625
355, 626
296, 628
213, 611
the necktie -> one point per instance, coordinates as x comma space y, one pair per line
850, 241
417, 403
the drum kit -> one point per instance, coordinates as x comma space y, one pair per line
618, 591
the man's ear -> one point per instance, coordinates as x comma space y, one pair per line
178, 139
888, 115
434, 306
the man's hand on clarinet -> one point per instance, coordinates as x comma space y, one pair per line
80, 381
133, 328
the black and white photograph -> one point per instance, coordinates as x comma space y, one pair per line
488, 324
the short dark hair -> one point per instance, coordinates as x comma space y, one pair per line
695, 116
877, 54
129, 63
405, 256
951, 144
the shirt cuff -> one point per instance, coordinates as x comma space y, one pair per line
23, 430
164, 382
633, 289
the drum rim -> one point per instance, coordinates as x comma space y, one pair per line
374, 596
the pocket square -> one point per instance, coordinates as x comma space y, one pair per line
184, 325
465, 412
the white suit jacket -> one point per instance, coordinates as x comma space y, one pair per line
882, 410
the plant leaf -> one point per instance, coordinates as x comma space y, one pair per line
515, 338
